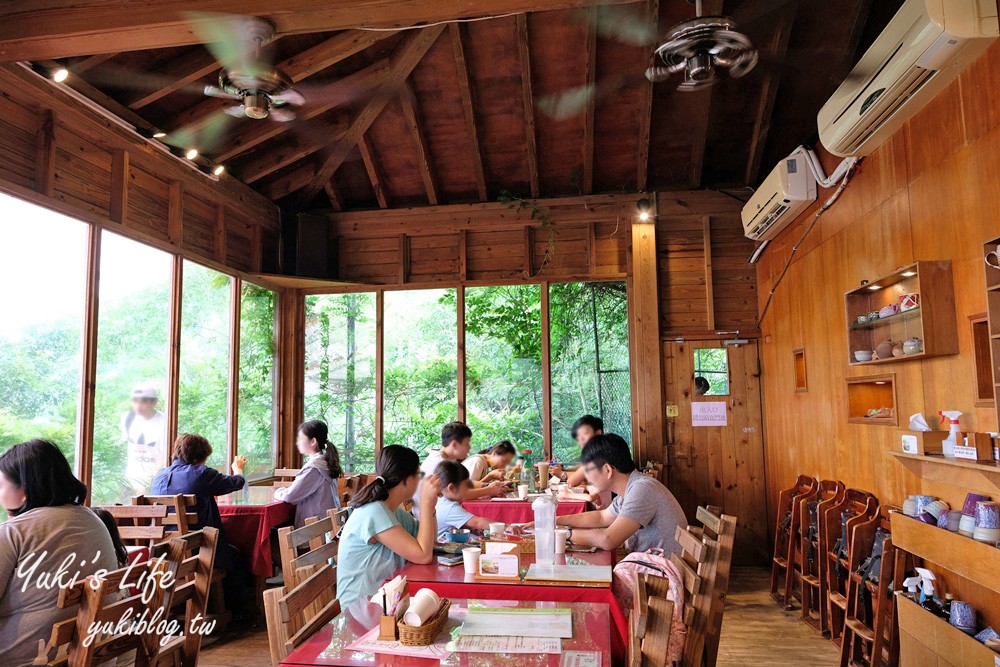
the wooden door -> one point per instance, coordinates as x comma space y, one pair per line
721, 465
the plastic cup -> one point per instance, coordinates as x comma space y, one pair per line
423, 605
471, 559
543, 476
522, 491
561, 536
497, 529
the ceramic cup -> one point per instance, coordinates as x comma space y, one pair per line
470, 557
522, 491
963, 617
953, 521
967, 525
561, 535
987, 634
937, 509
969, 508
923, 502
910, 506
927, 518
987, 514
993, 258
497, 528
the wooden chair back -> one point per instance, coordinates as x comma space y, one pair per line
786, 544
809, 547
99, 602
295, 615
863, 505
139, 525
650, 622
182, 512
194, 585
347, 486
284, 477
704, 563
304, 549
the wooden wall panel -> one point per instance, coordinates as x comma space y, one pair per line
199, 226
433, 257
239, 241
18, 143
83, 173
148, 203
929, 193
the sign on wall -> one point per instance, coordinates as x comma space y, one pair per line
708, 413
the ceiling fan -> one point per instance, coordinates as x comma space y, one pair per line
262, 90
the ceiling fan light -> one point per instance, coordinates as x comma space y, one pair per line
700, 67
256, 106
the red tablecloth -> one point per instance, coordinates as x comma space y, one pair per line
518, 511
248, 526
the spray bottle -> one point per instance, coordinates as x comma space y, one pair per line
948, 444
924, 579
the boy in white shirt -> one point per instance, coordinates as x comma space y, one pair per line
456, 441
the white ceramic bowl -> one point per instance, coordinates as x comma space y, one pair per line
863, 355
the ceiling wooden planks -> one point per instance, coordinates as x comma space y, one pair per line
459, 119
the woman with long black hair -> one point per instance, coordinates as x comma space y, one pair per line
380, 536
314, 490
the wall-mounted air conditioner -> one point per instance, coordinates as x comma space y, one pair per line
924, 47
786, 192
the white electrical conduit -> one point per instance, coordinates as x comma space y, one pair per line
817, 169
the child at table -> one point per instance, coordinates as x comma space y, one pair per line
380, 536
455, 485
489, 464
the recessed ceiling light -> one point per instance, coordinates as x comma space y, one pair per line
191, 154
59, 75
874, 287
908, 274
159, 134
218, 170
644, 216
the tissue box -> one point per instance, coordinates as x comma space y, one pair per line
921, 442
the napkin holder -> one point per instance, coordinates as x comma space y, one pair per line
388, 625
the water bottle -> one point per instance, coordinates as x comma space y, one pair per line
544, 508
529, 470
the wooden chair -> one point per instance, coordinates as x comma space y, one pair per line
810, 571
285, 476
304, 549
704, 563
862, 505
786, 544
869, 617
293, 616
650, 622
139, 525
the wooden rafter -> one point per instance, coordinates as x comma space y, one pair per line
524, 57
404, 60
588, 118
336, 94
374, 172
297, 67
334, 194
91, 62
701, 107
292, 150
409, 103
289, 181
37, 29
173, 76
777, 47
646, 108
465, 89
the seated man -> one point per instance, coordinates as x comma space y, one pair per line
643, 516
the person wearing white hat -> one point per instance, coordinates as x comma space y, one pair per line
144, 429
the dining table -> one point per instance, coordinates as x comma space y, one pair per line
329, 646
248, 516
514, 510
452, 581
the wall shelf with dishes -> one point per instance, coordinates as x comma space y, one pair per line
991, 257
908, 314
871, 399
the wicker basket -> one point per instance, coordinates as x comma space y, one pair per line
424, 635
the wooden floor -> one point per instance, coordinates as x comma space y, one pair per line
755, 631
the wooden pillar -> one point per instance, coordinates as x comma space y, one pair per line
546, 374
88, 378
648, 425
235, 313
174, 351
460, 306
291, 373
379, 370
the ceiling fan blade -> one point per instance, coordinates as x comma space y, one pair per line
235, 41
215, 91
290, 96
281, 115
205, 137
625, 23
572, 101
235, 111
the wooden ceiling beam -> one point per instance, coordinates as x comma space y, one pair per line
405, 59
173, 76
298, 67
409, 103
334, 194
290, 181
336, 94
292, 150
524, 57
465, 89
374, 173
589, 110
777, 48
38, 29
91, 62
646, 107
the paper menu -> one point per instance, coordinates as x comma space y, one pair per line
370, 643
551, 623
504, 644
580, 659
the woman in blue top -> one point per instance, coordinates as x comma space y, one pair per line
380, 536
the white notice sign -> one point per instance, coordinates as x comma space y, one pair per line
708, 413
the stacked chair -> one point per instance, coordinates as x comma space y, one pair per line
827, 493
786, 559
856, 507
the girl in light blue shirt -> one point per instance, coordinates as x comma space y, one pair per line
455, 482
380, 536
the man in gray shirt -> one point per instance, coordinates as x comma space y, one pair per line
644, 515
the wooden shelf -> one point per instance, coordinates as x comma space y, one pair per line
978, 562
925, 639
870, 392
972, 475
883, 321
890, 360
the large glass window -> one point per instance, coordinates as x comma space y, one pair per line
43, 263
503, 374
257, 380
421, 366
589, 354
203, 399
130, 411
340, 373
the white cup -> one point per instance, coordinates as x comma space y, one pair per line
497, 528
423, 605
561, 535
522, 491
470, 557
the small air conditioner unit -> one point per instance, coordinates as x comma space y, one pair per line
786, 192
924, 47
